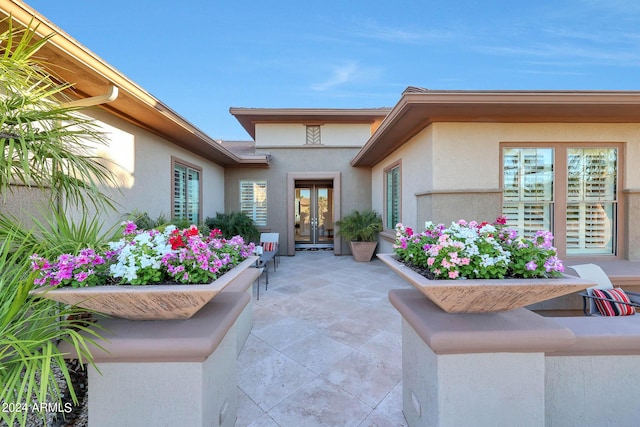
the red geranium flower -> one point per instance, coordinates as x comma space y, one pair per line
176, 240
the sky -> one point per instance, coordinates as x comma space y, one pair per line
201, 57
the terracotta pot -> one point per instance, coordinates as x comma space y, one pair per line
148, 302
486, 295
363, 251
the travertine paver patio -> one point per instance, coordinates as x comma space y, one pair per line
325, 348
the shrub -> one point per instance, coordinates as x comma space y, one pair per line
234, 223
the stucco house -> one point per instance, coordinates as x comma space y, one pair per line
564, 161
561, 160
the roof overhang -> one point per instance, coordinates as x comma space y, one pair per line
249, 117
91, 76
418, 108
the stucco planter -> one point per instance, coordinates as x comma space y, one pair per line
148, 302
486, 296
363, 251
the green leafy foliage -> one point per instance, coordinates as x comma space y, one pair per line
143, 221
47, 146
30, 332
360, 226
234, 223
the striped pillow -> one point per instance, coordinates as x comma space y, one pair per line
608, 308
269, 246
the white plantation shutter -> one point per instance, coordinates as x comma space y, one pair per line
591, 200
253, 201
528, 189
179, 191
186, 193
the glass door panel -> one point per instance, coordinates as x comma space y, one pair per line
325, 215
303, 215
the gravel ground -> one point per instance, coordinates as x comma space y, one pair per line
73, 416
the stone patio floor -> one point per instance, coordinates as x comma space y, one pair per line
325, 349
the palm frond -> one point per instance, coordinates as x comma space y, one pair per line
46, 144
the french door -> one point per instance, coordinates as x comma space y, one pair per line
313, 215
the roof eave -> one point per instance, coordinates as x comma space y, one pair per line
249, 117
92, 76
415, 111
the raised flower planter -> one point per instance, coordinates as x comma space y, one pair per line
485, 295
472, 267
147, 274
149, 302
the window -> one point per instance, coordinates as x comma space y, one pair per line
313, 135
186, 192
570, 189
392, 196
591, 200
253, 201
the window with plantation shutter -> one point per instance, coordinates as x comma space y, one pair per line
253, 201
591, 200
568, 188
392, 196
186, 192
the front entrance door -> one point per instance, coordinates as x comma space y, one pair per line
314, 210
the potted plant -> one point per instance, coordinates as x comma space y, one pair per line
361, 229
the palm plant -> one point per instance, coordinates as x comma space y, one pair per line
46, 144
360, 226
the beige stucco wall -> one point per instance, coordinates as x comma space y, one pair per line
479, 142
463, 160
143, 166
294, 134
141, 161
356, 182
416, 175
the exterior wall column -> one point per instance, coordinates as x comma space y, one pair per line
632, 205
483, 369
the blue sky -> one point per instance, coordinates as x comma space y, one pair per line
201, 57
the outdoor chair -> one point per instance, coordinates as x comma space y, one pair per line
270, 243
267, 252
603, 299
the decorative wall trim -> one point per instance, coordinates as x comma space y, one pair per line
459, 191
